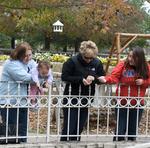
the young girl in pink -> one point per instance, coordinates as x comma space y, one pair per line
42, 77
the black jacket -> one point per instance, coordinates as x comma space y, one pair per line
74, 72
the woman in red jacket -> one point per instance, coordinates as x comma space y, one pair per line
133, 74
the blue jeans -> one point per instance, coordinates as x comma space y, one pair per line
12, 122
123, 117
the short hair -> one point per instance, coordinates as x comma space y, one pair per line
43, 63
88, 46
20, 51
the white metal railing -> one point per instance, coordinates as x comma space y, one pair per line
45, 117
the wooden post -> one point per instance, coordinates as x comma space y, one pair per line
127, 44
110, 55
118, 46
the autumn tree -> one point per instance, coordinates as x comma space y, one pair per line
96, 20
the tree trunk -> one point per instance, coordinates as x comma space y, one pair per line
77, 44
65, 48
13, 43
47, 43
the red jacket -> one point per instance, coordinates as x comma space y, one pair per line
127, 77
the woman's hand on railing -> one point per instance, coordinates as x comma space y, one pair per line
86, 82
90, 78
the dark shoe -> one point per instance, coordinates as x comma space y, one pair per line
75, 138
63, 139
70, 139
22, 140
9, 141
2, 141
118, 138
131, 138
13, 141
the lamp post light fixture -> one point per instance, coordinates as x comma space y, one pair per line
58, 26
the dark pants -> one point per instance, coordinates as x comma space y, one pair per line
121, 124
12, 123
75, 126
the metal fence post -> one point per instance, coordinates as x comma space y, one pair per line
49, 113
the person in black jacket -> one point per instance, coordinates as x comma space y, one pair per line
80, 74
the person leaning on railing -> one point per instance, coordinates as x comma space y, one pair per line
134, 73
42, 78
80, 73
15, 69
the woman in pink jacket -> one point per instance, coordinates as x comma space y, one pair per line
133, 74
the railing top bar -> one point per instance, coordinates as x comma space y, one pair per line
25, 82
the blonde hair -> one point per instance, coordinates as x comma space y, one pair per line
88, 46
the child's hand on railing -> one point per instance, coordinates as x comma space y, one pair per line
38, 84
139, 81
46, 84
33, 101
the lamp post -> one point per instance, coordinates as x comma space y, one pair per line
58, 27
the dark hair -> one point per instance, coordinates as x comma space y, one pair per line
141, 65
20, 51
43, 63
